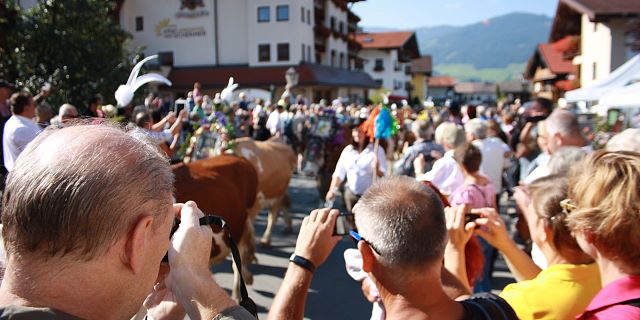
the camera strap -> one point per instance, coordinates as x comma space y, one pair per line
245, 301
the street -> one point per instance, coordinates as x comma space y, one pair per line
333, 294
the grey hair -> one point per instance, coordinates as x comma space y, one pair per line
451, 134
404, 221
66, 110
476, 127
627, 140
77, 190
564, 159
44, 108
563, 122
420, 129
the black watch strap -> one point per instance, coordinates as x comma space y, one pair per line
302, 262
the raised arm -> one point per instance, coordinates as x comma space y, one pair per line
315, 243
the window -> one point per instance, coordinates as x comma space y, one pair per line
341, 27
309, 17
263, 14
282, 13
333, 58
264, 52
595, 71
333, 23
380, 83
283, 52
309, 53
595, 27
341, 60
379, 66
302, 13
139, 24
304, 53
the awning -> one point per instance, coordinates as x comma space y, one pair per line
619, 78
625, 97
264, 77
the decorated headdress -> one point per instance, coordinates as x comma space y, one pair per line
124, 94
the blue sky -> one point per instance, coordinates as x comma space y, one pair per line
411, 14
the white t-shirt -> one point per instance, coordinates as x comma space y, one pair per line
356, 167
493, 161
18, 132
445, 174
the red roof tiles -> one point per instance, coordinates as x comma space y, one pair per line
383, 40
554, 55
441, 82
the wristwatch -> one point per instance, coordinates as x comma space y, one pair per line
302, 262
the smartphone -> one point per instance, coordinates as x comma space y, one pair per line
344, 223
179, 105
470, 217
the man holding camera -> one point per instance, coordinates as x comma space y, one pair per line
401, 235
85, 229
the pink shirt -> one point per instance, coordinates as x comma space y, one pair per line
474, 195
606, 304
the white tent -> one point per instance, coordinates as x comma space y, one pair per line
624, 97
617, 79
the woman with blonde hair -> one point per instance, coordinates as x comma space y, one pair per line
604, 215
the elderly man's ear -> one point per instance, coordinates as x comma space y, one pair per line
368, 258
138, 244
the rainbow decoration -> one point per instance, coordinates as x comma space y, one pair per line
380, 124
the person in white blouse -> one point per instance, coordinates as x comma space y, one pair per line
446, 174
357, 164
20, 129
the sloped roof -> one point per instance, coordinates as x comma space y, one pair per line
441, 82
554, 56
310, 75
383, 40
475, 88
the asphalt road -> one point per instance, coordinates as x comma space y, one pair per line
333, 294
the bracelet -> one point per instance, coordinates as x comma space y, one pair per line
302, 262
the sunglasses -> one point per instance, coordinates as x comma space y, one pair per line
568, 206
356, 237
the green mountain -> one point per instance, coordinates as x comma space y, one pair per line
493, 50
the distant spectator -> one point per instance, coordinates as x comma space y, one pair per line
445, 174
564, 159
20, 129
494, 153
424, 145
44, 114
93, 107
67, 112
476, 192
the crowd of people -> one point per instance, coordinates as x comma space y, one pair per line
84, 217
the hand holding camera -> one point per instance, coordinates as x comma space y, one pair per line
316, 239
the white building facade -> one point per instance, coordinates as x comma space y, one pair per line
255, 41
387, 59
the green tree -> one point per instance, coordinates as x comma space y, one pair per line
76, 45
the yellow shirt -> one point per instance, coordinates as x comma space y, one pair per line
561, 291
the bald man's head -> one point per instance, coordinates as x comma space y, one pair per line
77, 190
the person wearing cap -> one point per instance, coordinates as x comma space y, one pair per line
20, 129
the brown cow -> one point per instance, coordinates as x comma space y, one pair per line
274, 161
225, 186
